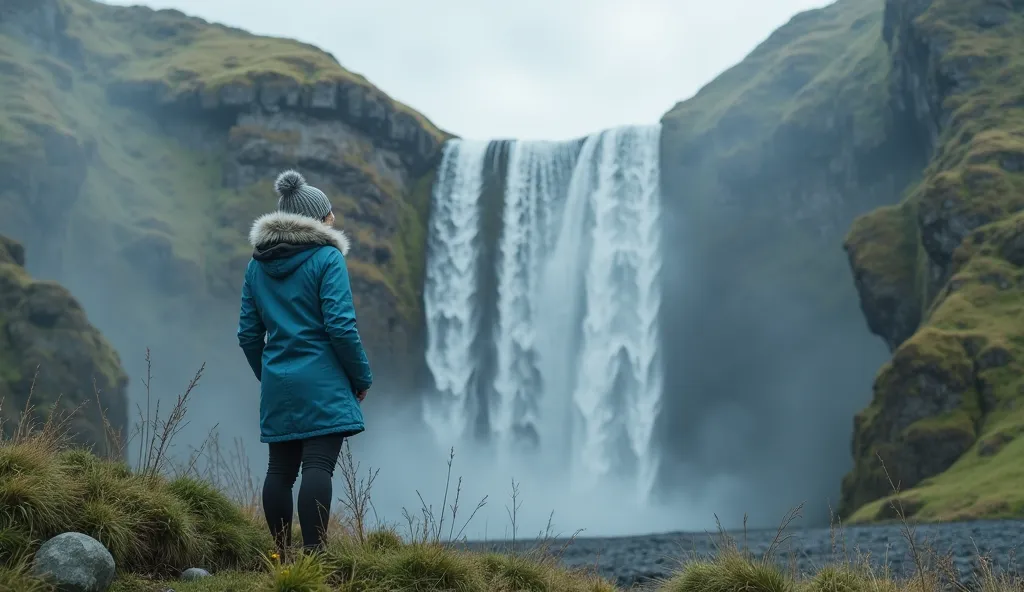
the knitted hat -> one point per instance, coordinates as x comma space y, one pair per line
296, 197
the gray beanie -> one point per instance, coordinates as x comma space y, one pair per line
296, 197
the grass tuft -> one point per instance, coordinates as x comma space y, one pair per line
17, 578
384, 540
511, 572
731, 571
307, 573
845, 578
431, 567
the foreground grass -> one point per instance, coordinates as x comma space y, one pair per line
156, 525
149, 524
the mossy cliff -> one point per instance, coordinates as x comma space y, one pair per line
763, 170
137, 146
49, 350
891, 128
940, 275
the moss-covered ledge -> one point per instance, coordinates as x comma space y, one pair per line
947, 409
883, 248
50, 351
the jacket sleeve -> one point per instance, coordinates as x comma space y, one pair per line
251, 330
340, 321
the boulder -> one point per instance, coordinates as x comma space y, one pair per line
194, 573
75, 562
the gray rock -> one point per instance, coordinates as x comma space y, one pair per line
75, 563
194, 573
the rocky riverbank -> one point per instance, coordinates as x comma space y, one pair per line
634, 560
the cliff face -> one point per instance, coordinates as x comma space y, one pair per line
137, 146
763, 171
940, 277
48, 349
900, 121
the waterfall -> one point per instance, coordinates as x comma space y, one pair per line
538, 173
576, 379
449, 294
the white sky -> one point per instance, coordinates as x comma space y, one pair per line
529, 69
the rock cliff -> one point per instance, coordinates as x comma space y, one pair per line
897, 124
137, 146
939, 275
763, 171
49, 350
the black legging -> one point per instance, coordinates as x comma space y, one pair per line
318, 457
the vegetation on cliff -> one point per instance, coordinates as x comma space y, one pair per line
787, 146
138, 145
49, 348
818, 76
941, 276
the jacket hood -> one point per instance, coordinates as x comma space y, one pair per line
283, 241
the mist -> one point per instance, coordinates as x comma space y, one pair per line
764, 357
771, 356
762, 381
764, 389
412, 459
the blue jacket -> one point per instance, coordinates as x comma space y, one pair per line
297, 327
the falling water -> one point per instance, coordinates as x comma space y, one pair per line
538, 174
576, 374
449, 295
618, 384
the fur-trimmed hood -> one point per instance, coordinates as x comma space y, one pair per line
276, 228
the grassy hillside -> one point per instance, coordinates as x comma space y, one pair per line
946, 412
821, 72
773, 158
136, 147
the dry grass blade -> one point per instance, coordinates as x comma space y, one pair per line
908, 531
781, 533
356, 499
113, 444
161, 432
428, 527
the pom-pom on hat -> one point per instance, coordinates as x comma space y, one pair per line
297, 197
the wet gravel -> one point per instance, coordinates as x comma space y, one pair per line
638, 560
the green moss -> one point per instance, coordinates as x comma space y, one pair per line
970, 293
975, 487
822, 61
410, 257
764, 138
153, 193
186, 54
57, 355
885, 243
27, 112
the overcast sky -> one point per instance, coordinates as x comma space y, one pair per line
530, 69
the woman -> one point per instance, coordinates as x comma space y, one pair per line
297, 327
